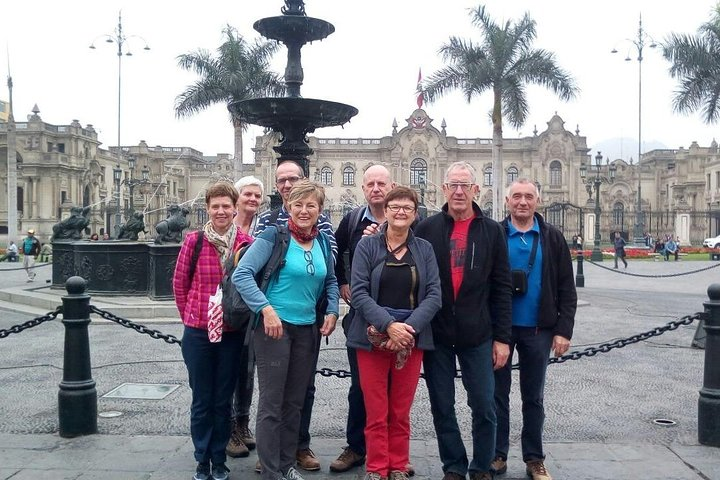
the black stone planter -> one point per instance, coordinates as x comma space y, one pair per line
112, 267
161, 269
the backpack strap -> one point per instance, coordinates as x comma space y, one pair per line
196, 253
354, 220
273, 218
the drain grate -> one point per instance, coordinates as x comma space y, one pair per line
142, 391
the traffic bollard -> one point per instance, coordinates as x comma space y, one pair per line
580, 275
77, 398
709, 401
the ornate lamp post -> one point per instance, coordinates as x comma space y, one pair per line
117, 174
592, 185
639, 43
133, 182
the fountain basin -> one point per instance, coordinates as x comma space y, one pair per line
278, 113
294, 28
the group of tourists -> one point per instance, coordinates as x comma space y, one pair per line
455, 288
667, 246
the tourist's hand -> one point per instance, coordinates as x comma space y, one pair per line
273, 325
560, 345
501, 352
371, 229
329, 325
393, 346
345, 293
401, 333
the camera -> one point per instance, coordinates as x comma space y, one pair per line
519, 282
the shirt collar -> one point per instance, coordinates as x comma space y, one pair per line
514, 231
368, 214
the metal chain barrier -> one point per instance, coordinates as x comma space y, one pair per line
31, 323
668, 275
156, 334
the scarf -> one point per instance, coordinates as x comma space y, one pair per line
299, 234
223, 243
379, 339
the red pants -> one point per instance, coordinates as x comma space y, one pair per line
388, 394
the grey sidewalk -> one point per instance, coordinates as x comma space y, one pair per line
110, 457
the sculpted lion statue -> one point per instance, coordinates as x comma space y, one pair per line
170, 229
134, 225
72, 227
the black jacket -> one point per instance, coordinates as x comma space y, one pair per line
558, 300
483, 308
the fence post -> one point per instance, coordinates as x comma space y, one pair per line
580, 275
709, 401
77, 398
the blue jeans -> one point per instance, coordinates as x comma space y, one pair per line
212, 371
533, 347
477, 377
355, 428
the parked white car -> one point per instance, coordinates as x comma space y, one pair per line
713, 242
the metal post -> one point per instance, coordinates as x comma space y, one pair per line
580, 275
77, 398
709, 402
596, 255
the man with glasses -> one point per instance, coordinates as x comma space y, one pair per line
473, 325
287, 174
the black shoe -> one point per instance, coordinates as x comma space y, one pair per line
202, 472
220, 472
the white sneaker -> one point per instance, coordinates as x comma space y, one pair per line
292, 474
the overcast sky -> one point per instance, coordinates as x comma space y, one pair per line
371, 62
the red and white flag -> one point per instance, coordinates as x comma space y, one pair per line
421, 96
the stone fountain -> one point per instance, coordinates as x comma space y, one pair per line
293, 116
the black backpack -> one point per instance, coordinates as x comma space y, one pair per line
236, 313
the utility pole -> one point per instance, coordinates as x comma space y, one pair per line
12, 214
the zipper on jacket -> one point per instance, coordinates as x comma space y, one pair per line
472, 258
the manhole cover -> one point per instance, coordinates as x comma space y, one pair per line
664, 422
142, 391
109, 414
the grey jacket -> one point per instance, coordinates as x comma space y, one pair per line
367, 265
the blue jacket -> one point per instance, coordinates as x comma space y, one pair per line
367, 266
258, 255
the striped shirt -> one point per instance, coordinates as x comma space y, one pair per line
323, 225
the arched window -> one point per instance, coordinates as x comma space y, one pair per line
555, 173
512, 174
348, 176
487, 176
326, 176
418, 171
618, 213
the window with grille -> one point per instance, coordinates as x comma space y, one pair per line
348, 176
487, 176
618, 213
512, 175
418, 171
555, 174
326, 176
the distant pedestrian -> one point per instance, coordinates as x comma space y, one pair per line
31, 250
671, 248
619, 244
94, 237
11, 254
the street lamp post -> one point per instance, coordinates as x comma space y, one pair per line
117, 173
640, 42
592, 185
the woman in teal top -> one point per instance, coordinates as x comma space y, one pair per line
286, 333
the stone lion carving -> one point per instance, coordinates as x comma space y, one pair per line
72, 227
170, 229
134, 225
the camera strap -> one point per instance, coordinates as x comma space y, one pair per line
531, 261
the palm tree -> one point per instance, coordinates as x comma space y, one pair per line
696, 64
504, 62
239, 71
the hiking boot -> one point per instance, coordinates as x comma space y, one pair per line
453, 476
498, 465
292, 474
410, 469
348, 459
307, 460
481, 476
243, 431
398, 475
202, 472
258, 467
537, 471
220, 472
236, 447
373, 476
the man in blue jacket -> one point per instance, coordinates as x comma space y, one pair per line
473, 324
543, 316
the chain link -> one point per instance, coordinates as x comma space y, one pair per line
668, 275
31, 323
156, 334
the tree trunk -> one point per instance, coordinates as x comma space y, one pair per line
238, 154
497, 162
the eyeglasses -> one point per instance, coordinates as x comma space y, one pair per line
310, 267
292, 180
454, 186
404, 208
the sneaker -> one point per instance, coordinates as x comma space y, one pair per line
498, 465
537, 471
398, 475
481, 476
373, 476
243, 431
220, 472
236, 447
347, 460
202, 472
307, 460
258, 467
292, 474
453, 476
410, 469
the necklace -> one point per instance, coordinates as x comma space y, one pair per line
396, 249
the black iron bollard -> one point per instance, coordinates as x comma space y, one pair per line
580, 275
709, 402
77, 399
